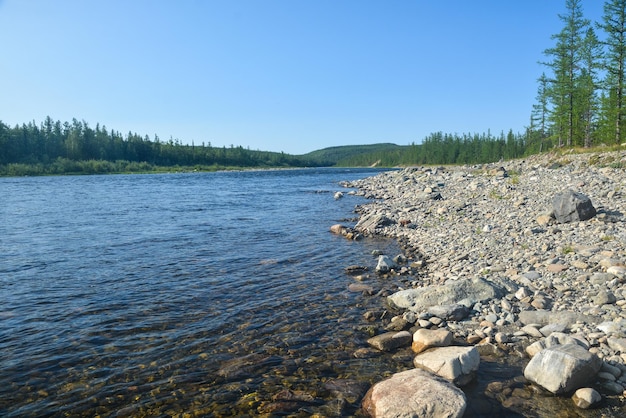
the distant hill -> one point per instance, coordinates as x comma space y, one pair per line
353, 154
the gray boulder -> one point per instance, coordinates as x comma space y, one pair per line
570, 206
414, 393
563, 368
466, 292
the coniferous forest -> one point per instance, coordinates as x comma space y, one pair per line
580, 102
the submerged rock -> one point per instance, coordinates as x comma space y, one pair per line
390, 340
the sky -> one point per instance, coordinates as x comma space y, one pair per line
289, 76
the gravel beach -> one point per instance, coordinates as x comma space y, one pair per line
490, 260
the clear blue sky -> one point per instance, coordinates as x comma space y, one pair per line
278, 75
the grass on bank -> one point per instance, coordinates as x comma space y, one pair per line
91, 167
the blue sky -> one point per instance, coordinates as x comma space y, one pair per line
278, 75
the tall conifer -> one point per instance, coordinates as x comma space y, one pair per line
614, 106
565, 65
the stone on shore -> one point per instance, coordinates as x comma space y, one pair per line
454, 312
466, 292
570, 206
564, 318
457, 364
414, 393
423, 339
563, 368
617, 344
586, 397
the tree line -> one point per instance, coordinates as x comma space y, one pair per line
580, 99
53, 147
443, 148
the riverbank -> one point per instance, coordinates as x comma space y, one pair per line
553, 283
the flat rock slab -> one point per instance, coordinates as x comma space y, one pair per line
466, 292
414, 393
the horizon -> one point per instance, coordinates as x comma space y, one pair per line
280, 76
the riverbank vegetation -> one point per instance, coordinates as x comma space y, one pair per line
580, 103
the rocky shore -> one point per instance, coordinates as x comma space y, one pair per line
523, 260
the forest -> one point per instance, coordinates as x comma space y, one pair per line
53, 147
579, 103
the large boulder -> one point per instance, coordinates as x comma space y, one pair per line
563, 368
457, 364
570, 206
466, 292
414, 393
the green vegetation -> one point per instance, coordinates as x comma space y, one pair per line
55, 148
580, 105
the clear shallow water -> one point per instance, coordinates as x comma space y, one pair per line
156, 295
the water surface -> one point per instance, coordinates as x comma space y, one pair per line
154, 295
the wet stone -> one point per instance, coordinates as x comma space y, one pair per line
390, 340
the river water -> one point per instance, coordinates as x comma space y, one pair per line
158, 295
